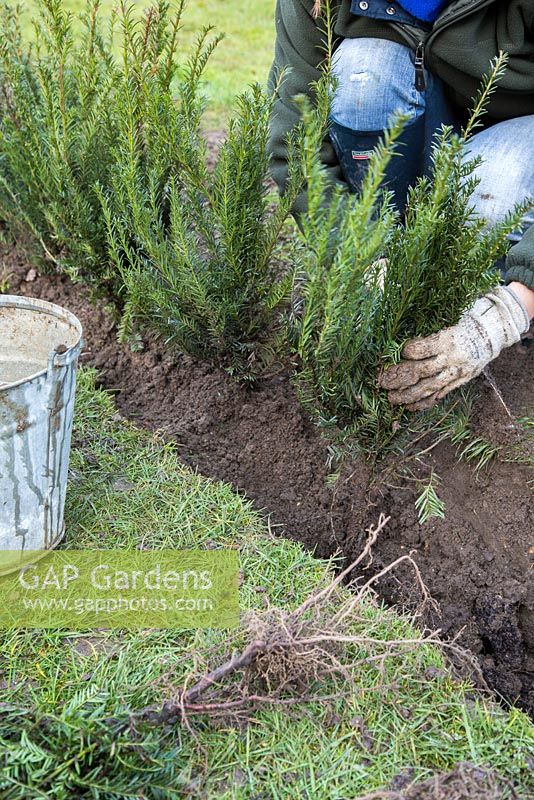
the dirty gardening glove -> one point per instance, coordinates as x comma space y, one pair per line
435, 365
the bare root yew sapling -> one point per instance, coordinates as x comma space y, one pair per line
311, 654
369, 281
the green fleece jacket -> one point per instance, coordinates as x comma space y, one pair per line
463, 40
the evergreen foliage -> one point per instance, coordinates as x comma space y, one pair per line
370, 281
70, 109
428, 504
57, 134
195, 247
103, 167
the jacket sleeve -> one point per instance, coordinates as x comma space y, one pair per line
299, 51
520, 261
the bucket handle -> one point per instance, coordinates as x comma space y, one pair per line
58, 357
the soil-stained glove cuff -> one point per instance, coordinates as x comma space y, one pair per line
497, 320
520, 306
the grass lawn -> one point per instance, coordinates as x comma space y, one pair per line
65, 694
244, 56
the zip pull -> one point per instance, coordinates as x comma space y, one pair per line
420, 80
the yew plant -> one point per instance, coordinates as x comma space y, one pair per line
57, 134
105, 172
195, 246
369, 281
67, 100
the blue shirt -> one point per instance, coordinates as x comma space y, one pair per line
403, 11
427, 10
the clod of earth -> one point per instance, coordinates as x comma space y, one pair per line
466, 782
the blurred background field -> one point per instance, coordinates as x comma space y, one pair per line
242, 57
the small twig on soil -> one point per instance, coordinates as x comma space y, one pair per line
50, 256
428, 600
493, 383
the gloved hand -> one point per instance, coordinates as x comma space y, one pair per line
435, 365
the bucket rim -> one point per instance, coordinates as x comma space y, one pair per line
44, 307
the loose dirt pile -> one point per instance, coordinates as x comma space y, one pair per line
465, 782
477, 563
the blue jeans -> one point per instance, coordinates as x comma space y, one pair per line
376, 79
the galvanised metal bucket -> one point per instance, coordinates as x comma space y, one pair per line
39, 348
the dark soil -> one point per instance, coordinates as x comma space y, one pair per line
465, 782
477, 563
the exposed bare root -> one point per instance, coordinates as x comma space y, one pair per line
316, 10
290, 654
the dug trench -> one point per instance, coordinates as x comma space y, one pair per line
477, 563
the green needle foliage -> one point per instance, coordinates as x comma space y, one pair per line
104, 169
195, 246
443, 257
370, 281
428, 504
344, 237
57, 134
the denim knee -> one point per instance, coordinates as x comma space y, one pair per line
506, 173
375, 80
